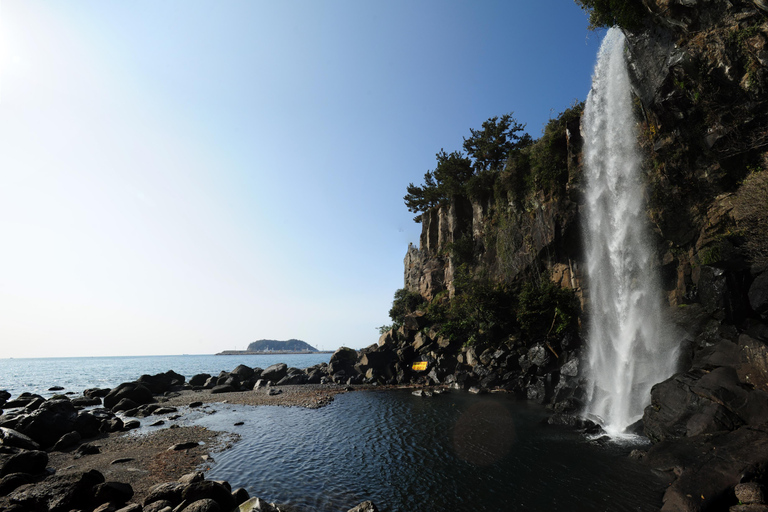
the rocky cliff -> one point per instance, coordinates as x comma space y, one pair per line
700, 79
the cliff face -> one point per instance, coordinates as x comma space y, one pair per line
700, 73
503, 237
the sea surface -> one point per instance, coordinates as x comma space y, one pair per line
75, 374
455, 451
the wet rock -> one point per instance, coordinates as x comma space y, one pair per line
222, 388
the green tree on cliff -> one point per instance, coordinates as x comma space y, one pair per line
627, 14
487, 151
490, 146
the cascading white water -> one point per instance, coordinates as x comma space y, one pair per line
630, 346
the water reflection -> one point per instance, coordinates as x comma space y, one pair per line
432, 454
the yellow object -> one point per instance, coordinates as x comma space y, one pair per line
419, 366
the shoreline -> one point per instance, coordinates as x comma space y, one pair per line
137, 460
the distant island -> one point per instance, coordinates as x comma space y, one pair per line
274, 347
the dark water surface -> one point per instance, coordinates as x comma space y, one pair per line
449, 452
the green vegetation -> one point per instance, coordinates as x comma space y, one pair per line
459, 174
405, 302
627, 14
546, 309
544, 165
480, 313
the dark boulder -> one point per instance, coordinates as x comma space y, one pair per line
211, 490
84, 401
275, 372
27, 461
758, 295
60, 493
162, 382
96, 392
134, 391
203, 505
14, 480
222, 388
199, 380
87, 449
126, 404
708, 467
112, 492
344, 360
15, 439
170, 492
242, 372
68, 440
49, 422
23, 400
296, 378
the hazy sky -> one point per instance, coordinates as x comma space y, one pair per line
190, 176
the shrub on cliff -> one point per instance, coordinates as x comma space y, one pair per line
627, 14
486, 149
546, 309
480, 312
405, 302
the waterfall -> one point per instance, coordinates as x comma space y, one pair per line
630, 346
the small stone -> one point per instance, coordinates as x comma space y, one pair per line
183, 446
237, 424
748, 493
195, 404
122, 460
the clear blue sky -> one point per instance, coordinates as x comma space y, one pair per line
190, 176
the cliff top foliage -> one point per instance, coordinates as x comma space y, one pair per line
628, 14
486, 149
500, 148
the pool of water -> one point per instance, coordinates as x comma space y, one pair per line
449, 452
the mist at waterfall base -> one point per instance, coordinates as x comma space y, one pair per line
630, 346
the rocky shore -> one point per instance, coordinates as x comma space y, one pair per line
84, 453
